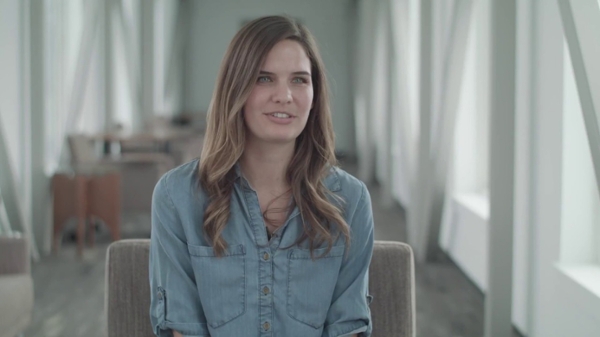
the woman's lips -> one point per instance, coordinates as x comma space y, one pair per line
280, 117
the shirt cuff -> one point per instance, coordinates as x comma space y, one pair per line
185, 329
347, 329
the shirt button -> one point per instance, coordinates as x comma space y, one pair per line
160, 295
266, 326
266, 290
266, 256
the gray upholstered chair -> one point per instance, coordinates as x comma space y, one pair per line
391, 282
16, 286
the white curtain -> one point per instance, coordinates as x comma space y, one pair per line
14, 165
4, 222
94, 67
404, 19
367, 18
386, 96
73, 75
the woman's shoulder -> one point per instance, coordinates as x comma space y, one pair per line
355, 197
338, 180
350, 189
182, 181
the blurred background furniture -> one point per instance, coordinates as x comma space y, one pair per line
16, 285
171, 136
391, 283
186, 150
88, 195
139, 171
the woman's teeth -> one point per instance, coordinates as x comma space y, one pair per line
280, 115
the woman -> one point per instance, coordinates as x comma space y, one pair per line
264, 236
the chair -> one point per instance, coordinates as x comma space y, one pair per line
86, 195
16, 286
127, 302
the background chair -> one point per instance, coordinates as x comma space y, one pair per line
16, 286
391, 282
87, 196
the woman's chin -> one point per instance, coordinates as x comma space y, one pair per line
276, 139
283, 140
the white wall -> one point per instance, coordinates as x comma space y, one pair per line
580, 206
214, 23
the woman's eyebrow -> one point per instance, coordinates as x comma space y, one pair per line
263, 72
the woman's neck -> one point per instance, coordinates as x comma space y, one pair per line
265, 165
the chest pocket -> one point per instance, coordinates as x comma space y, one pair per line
311, 284
221, 282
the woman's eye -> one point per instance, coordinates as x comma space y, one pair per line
299, 80
263, 79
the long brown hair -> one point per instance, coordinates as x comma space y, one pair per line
225, 135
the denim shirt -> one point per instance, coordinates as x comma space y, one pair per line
258, 288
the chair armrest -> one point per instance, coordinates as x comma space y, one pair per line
14, 256
392, 285
127, 290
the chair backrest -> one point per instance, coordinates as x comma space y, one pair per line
391, 282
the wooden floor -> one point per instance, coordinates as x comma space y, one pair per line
69, 292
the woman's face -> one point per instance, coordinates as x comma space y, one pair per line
280, 102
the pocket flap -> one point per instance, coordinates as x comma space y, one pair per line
299, 253
204, 251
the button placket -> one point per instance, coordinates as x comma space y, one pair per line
265, 260
266, 284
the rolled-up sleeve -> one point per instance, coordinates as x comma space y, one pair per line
349, 313
175, 303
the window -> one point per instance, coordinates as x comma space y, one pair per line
580, 234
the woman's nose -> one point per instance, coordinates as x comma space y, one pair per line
282, 94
